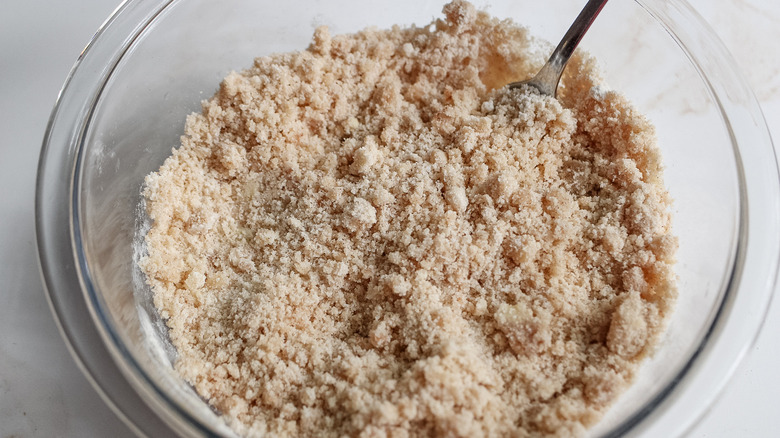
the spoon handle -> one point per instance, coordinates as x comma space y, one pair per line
548, 77
574, 35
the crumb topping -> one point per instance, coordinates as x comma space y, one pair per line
375, 237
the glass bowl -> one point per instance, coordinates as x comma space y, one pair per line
123, 107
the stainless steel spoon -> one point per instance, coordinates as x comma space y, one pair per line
546, 81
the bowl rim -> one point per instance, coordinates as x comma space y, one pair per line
70, 130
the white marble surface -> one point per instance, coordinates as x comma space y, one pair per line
43, 393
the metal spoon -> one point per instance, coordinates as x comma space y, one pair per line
546, 81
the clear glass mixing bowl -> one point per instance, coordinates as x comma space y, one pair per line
123, 107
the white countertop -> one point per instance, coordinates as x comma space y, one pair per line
42, 391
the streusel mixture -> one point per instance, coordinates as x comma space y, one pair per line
375, 237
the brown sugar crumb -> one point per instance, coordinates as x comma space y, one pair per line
375, 237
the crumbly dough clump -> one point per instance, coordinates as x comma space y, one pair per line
374, 237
